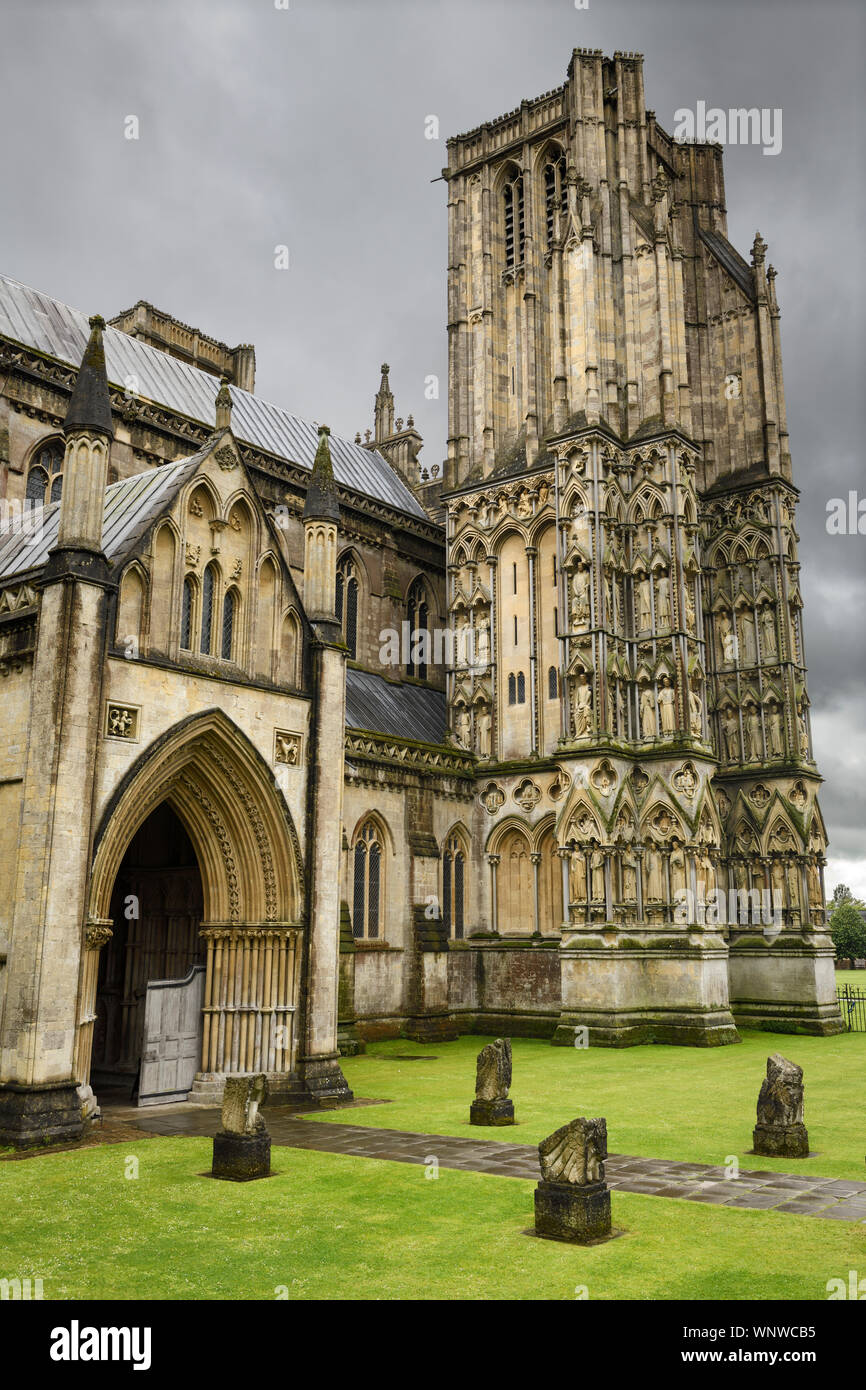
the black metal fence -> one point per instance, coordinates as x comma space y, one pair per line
852, 1002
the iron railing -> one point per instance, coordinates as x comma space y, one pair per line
852, 1003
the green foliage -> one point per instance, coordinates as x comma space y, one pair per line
848, 932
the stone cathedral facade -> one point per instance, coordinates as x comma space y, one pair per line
236, 835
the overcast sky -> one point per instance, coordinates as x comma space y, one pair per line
305, 127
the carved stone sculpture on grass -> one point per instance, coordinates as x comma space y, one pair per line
491, 1105
572, 1201
242, 1148
780, 1131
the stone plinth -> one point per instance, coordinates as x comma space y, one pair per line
241, 1157
781, 1141
45, 1113
579, 1214
491, 1112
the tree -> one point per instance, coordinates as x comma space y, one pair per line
848, 932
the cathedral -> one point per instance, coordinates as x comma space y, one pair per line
242, 829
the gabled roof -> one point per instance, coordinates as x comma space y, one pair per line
404, 711
50, 327
131, 505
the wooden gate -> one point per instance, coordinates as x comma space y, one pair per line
171, 1052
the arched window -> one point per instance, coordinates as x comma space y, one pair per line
453, 881
45, 475
512, 689
367, 895
230, 603
347, 602
521, 688
416, 612
186, 615
555, 192
513, 208
552, 684
207, 601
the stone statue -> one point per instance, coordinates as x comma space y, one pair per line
572, 1201
732, 734
690, 607
780, 1130
747, 637
242, 1148
754, 734
667, 706
575, 1153
482, 642
655, 891
678, 871
774, 732
621, 728
577, 876
580, 597
727, 640
647, 712
629, 876
464, 727
708, 869
596, 864
696, 710
492, 1081
768, 632
804, 733
644, 605
484, 725
816, 897
582, 707
663, 604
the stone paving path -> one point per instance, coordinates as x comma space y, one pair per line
804, 1194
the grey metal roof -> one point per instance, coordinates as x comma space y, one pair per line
130, 507
45, 325
731, 259
404, 711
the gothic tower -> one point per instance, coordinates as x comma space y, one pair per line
623, 573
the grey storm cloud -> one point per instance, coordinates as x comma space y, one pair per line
304, 126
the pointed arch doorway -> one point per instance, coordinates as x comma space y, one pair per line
200, 826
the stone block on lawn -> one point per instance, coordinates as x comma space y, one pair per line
242, 1148
572, 1201
780, 1131
491, 1105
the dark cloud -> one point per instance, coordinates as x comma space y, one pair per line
305, 127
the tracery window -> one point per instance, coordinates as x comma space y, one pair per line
521, 688
229, 609
347, 602
207, 602
555, 191
367, 889
453, 883
513, 209
416, 612
552, 684
186, 614
45, 474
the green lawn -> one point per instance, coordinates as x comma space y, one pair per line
660, 1102
857, 978
330, 1226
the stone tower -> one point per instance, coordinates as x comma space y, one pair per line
38, 1092
623, 572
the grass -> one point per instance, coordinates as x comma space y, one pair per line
333, 1227
696, 1104
857, 978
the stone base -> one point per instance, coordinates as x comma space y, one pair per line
241, 1157
576, 1214
323, 1081
781, 1141
90, 1109
432, 1028
785, 983
615, 1028
284, 1088
49, 1113
349, 1041
491, 1112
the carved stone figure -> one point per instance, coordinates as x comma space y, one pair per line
816, 897
754, 734
663, 602
463, 727
647, 712
768, 633
748, 649
696, 710
731, 726
629, 876
572, 1201
492, 1081
667, 706
727, 640
242, 1148
780, 1130
655, 886
580, 597
582, 707
482, 641
678, 870
644, 604
596, 864
774, 732
804, 732
483, 726
690, 607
